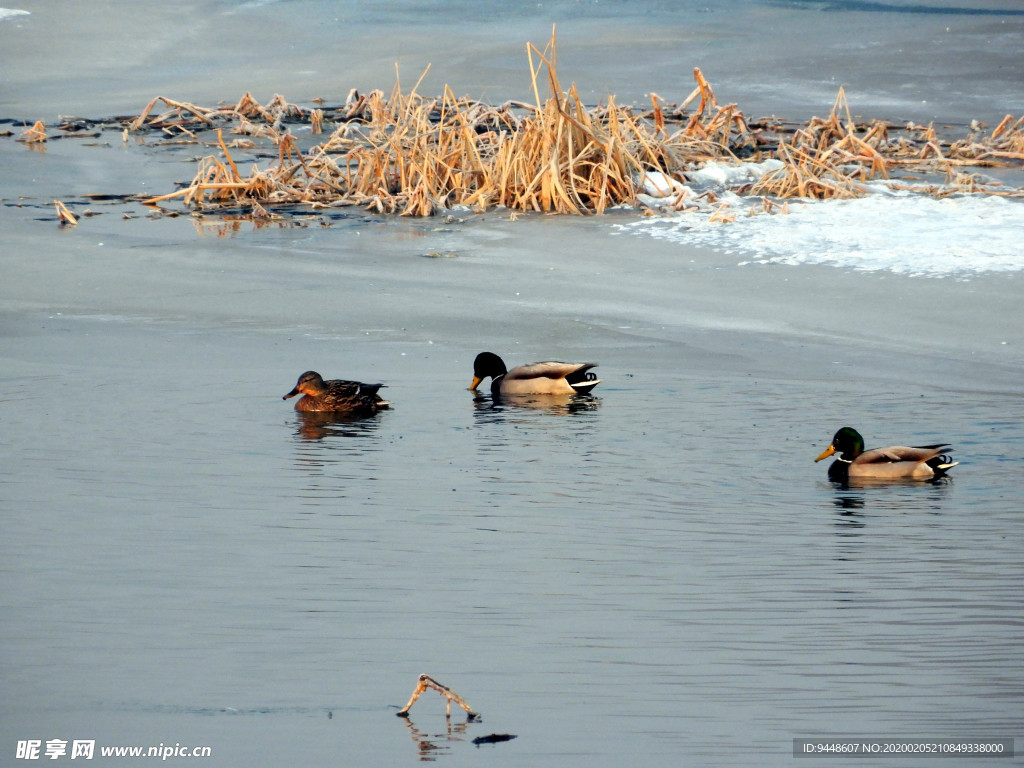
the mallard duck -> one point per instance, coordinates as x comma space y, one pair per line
547, 378
922, 462
336, 395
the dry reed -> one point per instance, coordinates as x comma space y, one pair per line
35, 134
64, 216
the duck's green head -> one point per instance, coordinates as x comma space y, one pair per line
487, 364
847, 442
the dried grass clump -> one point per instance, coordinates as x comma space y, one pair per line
711, 132
221, 184
1005, 143
415, 156
185, 117
412, 155
827, 158
831, 157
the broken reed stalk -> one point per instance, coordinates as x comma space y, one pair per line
424, 682
64, 216
35, 134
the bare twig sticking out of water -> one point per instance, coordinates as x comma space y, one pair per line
36, 134
424, 682
64, 216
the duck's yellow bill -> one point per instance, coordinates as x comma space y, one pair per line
476, 382
826, 453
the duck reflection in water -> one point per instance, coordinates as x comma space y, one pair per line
860, 498
493, 406
849, 503
864, 483
314, 425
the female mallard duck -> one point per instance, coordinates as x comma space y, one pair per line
547, 378
336, 395
923, 462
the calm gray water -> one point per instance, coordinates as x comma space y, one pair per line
659, 570
657, 574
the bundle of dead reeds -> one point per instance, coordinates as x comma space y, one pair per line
1005, 143
826, 158
413, 155
830, 157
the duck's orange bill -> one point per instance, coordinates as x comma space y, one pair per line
476, 382
826, 453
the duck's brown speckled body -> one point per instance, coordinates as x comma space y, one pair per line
336, 395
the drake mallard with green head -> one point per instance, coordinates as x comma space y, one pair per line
896, 462
545, 378
336, 395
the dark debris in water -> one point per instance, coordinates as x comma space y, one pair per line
494, 738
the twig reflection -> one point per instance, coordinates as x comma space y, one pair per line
430, 746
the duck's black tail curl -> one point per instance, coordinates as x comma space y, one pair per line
942, 464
